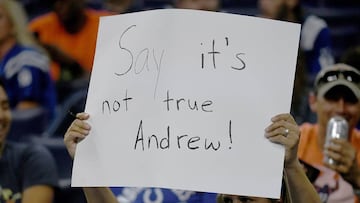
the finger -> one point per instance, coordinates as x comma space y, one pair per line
280, 127
342, 147
83, 134
333, 147
276, 135
275, 125
342, 162
283, 116
341, 142
82, 124
74, 137
275, 131
341, 168
74, 134
79, 126
333, 155
279, 139
82, 116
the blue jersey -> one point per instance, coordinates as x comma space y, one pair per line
159, 195
25, 73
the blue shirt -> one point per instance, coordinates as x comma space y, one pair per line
160, 195
25, 73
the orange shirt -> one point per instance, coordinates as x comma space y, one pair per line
330, 185
81, 46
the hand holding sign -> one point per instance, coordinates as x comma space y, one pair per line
170, 99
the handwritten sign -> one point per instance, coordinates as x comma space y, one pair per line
180, 99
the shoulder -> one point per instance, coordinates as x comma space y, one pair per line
36, 150
33, 164
14, 148
38, 166
43, 21
23, 151
25, 57
36, 156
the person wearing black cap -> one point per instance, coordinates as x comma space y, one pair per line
336, 93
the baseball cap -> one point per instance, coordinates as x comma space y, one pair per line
338, 75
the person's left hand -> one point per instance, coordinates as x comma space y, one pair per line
76, 132
284, 130
344, 156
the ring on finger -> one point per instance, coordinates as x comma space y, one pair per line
286, 132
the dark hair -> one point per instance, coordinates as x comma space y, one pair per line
284, 11
298, 13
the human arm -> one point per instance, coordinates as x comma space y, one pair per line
23, 105
39, 174
99, 195
77, 131
298, 185
38, 194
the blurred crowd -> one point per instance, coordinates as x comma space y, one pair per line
47, 49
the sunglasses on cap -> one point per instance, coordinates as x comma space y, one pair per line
331, 76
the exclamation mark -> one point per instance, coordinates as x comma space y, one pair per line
230, 135
202, 58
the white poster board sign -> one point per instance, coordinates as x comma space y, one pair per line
180, 99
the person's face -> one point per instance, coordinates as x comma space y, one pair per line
207, 5
325, 108
270, 8
242, 199
6, 28
5, 115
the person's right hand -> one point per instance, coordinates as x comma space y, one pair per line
77, 131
